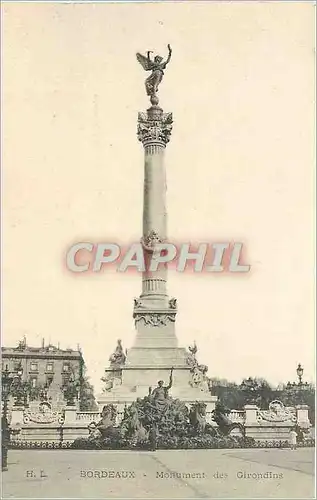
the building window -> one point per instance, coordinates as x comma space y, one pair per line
49, 367
33, 381
34, 367
66, 367
49, 380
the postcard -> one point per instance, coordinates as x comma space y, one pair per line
158, 202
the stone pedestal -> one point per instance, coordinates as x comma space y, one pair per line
302, 416
251, 415
273, 424
17, 416
269, 431
70, 414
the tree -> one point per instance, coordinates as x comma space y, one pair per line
259, 392
86, 393
78, 387
296, 394
228, 393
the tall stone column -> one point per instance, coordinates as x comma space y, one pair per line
154, 129
154, 313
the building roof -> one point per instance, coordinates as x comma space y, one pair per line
49, 351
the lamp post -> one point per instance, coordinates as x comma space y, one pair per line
300, 372
17, 387
44, 393
295, 389
10, 382
70, 391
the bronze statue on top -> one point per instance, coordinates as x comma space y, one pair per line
157, 66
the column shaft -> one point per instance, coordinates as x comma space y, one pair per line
154, 217
154, 128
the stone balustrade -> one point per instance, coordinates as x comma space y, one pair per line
94, 416
272, 423
237, 416
88, 416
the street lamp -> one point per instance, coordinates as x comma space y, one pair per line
7, 380
11, 386
300, 372
70, 391
249, 389
44, 393
17, 388
295, 389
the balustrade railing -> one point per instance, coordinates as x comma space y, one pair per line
237, 416
94, 416
88, 416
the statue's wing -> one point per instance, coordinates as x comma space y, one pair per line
144, 61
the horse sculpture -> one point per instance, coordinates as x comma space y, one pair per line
197, 417
132, 427
225, 425
106, 425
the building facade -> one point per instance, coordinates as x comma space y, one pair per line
47, 366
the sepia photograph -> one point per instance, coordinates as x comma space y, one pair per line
158, 249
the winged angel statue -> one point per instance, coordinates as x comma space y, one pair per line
157, 66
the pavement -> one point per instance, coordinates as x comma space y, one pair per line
248, 473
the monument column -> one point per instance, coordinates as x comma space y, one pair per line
154, 312
155, 349
154, 129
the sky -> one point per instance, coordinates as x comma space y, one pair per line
240, 167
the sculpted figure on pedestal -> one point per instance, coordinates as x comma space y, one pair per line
160, 394
199, 378
197, 416
137, 303
157, 66
191, 359
172, 303
114, 373
118, 357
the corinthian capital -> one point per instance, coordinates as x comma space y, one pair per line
154, 127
